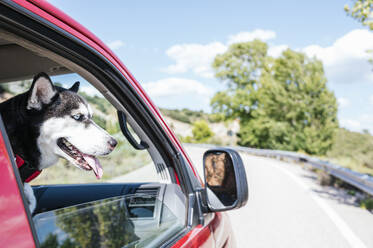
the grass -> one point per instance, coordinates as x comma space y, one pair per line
352, 150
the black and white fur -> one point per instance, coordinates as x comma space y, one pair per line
48, 122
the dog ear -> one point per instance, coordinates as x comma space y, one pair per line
75, 87
41, 92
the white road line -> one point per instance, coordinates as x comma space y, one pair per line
345, 230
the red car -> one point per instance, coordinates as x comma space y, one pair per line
180, 210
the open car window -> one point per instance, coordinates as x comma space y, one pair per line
136, 203
118, 166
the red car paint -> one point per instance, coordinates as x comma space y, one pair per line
14, 226
15, 229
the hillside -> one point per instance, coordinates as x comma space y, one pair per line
181, 121
353, 150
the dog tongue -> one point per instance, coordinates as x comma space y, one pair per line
94, 164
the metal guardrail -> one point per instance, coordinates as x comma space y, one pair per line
361, 181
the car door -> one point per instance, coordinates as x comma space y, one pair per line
16, 229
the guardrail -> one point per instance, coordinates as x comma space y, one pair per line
361, 181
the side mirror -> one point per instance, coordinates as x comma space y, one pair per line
225, 180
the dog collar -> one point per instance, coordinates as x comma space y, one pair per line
27, 172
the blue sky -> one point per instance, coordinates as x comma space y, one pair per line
169, 45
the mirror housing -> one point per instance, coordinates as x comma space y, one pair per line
225, 180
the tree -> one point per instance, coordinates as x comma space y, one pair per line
282, 103
50, 242
201, 131
362, 12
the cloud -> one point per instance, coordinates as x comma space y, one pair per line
198, 58
176, 86
353, 125
343, 102
260, 34
195, 57
116, 44
275, 51
346, 60
358, 124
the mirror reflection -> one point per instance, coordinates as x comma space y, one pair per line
220, 177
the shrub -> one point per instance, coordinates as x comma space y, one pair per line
201, 131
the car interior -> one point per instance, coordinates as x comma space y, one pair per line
150, 212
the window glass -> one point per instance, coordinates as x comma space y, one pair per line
136, 220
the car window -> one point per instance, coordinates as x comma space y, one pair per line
133, 204
124, 164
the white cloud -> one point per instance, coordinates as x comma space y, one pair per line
343, 102
260, 34
275, 51
353, 125
371, 99
176, 86
346, 60
116, 44
199, 57
194, 57
361, 122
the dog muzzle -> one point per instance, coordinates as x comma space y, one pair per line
27, 172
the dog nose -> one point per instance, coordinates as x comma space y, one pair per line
112, 142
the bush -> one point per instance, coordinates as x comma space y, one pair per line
353, 150
367, 204
201, 131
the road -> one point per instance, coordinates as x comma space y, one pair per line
287, 208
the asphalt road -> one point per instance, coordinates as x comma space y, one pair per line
287, 208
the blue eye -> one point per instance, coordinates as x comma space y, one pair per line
78, 117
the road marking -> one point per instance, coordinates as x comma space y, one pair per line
345, 230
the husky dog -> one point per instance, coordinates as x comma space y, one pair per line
48, 122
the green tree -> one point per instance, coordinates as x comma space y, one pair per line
50, 242
362, 12
201, 131
282, 103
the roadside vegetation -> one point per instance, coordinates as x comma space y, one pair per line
190, 116
282, 103
201, 133
352, 150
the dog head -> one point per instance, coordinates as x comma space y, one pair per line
66, 128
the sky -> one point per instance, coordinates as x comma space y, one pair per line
169, 45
